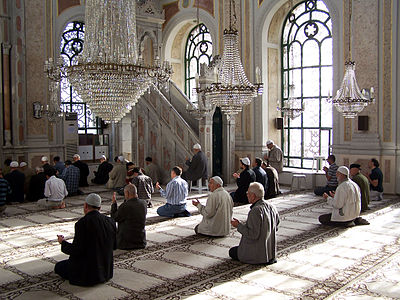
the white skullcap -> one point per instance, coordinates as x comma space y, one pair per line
14, 164
245, 161
218, 180
197, 146
103, 157
344, 170
76, 156
270, 142
93, 200
44, 158
121, 158
23, 164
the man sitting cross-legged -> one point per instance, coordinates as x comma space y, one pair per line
54, 190
176, 193
91, 252
345, 202
217, 213
131, 218
258, 242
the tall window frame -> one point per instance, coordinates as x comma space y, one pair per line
198, 50
307, 59
72, 42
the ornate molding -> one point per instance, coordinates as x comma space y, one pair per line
149, 8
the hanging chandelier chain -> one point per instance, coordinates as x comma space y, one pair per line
350, 27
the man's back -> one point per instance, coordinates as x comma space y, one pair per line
273, 183
363, 183
117, 176
197, 167
84, 172
91, 252
16, 179
144, 186
261, 177
71, 176
153, 172
131, 218
36, 187
258, 242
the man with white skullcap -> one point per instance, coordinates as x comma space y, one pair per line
16, 179
91, 252
217, 212
345, 202
28, 172
83, 168
101, 176
274, 156
243, 181
197, 166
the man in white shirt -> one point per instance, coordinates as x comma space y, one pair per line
217, 213
345, 202
55, 191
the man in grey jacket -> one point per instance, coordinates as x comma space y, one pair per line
258, 242
197, 166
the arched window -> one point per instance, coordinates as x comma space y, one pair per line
71, 46
198, 50
307, 64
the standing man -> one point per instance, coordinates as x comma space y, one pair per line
258, 242
71, 176
101, 175
152, 170
16, 179
83, 168
363, 184
330, 174
375, 179
217, 213
117, 175
197, 166
261, 175
54, 191
131, 218
243, 181
144, 185
345, 202
91, 252
275, 156
4, 191
176, 193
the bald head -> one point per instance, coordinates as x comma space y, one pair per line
130, 191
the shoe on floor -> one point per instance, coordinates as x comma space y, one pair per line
149, 205
361, 221
184, 213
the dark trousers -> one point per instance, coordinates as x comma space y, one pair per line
326, 220
61, 268
233, 253
320, 190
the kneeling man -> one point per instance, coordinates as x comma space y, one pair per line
91, 252
345, 202
131, 218
258, 242
217, 213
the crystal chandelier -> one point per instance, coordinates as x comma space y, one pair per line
108, 75
349, 100
231, 89
292, 107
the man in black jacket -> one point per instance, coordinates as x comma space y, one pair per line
91, 252
261, 176
16, 179
36, 186
131, 218
197, 166
83, 167
243, 181
101, 175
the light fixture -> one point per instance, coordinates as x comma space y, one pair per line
108, 75
292, 107
231, 89
349, 100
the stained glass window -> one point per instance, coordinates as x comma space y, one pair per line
198, 50
71, 46
307, 64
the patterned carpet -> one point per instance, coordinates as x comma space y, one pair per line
314, 261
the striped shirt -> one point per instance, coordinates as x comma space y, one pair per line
5, 190
332, 173
144, 186
176, 191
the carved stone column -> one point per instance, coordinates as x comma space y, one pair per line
228, 148
7, 94
205, 128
